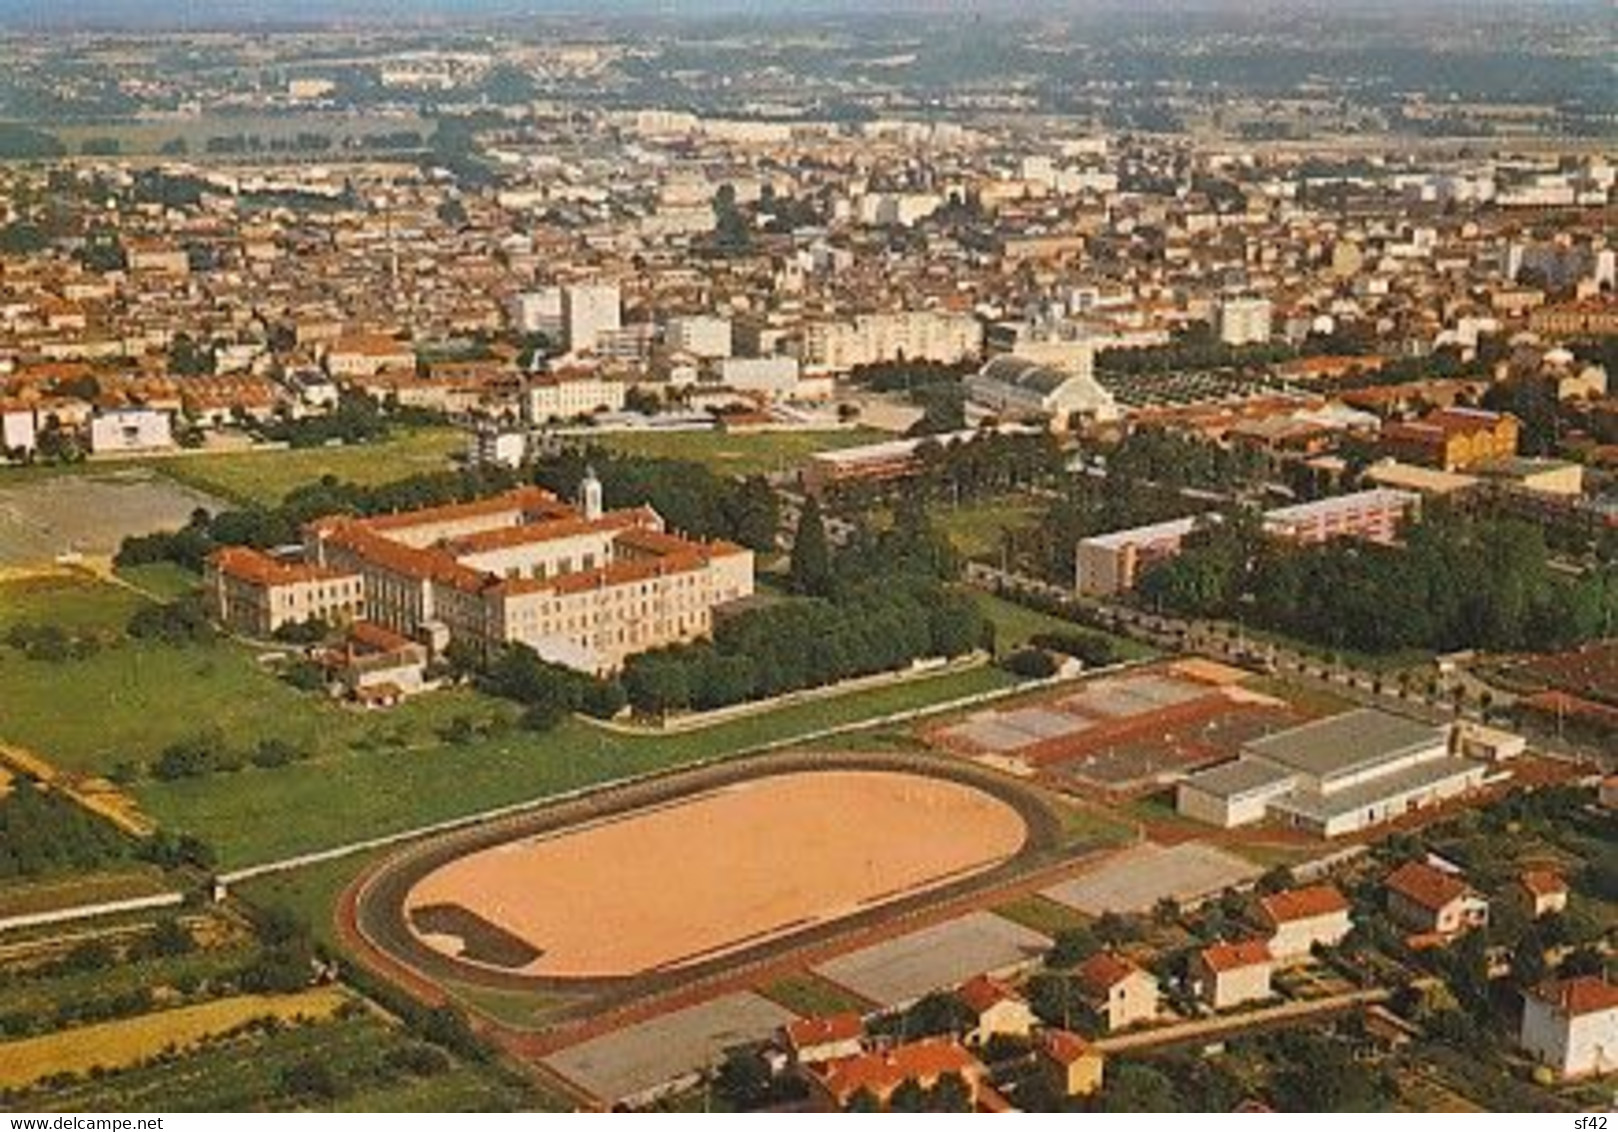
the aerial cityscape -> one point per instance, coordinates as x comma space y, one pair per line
803, 558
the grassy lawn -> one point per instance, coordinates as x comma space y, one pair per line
974, 528
74, 601
20, 898
165, 581
309, 893
1014, 624
1092, 828
266, 477
1311, 700
1041, 915
258, 815
369, 773
742, 454
147, 696
807, 994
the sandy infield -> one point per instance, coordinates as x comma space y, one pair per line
665, 886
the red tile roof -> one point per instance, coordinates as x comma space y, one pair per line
518, 499
882, 1071
1064, 1047
1221, 957
1426, 886
1542, 882
1105, 970
1303, 904
985, 991
806, 1033
258, 568
1576, 997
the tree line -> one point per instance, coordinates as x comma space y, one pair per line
1454, 582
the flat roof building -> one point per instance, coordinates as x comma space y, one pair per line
1109, 564
1334, 775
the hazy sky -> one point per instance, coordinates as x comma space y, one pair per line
216, 12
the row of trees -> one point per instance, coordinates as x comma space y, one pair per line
876, 627
1454, 583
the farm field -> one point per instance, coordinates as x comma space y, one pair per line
165, 581
365, 1067
20, 898
88, 509
266, 477
739, 454
129, 1041
74, 600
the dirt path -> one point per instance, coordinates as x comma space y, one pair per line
1223, 1025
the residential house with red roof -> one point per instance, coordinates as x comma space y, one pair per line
1228, 974
823, 1037
1072, 1065
1540, 892
879, 1073
1300, 919
1571, 1025
1118, 989
999, 1010
1430, 901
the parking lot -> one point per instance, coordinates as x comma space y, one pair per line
1137, 878
899, 971
663, 1053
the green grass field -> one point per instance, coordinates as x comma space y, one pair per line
164, 581
739, 454
266, 477
370, 773
76, 602
1014, 624
257, 815
808, 994
1042, 915
974, 528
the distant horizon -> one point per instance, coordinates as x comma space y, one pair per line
195, 15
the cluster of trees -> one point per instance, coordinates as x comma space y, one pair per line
19, 141
357, 419
548, 692
1454, 583
208, 753
1170, 459
43, 833
51, 643
689, 496
875, 627
1202, 352
174, 623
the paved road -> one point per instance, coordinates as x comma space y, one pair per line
1219, 1026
